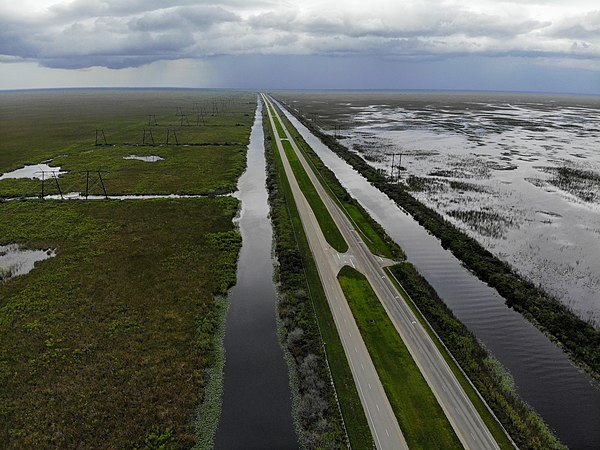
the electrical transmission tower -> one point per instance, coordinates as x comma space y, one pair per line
100, 135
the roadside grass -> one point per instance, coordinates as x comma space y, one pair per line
280, 130
523, 423
419, 415
298, 273
109, 341
330, 230
374, 235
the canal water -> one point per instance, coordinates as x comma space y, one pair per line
257, 407
566, 397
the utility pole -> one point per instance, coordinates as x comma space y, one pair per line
174, 135
87, 181
100, 133
52, 175
397, 167
149, 132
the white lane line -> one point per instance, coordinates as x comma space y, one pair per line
370, 386
386, 432
377, 404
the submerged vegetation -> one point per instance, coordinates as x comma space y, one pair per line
579, 338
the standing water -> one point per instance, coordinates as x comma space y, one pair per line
566, 397
257, 411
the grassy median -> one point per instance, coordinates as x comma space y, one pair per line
419, 415
330, 230
373, 234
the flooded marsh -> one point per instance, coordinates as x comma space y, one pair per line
518, 172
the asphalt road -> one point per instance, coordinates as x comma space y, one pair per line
465, 420
380, 416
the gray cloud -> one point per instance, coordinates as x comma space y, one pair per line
119, 33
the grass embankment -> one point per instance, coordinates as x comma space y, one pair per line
106, 344
579, 338
374, 235
419, 415
61, 125
494, 387
524, 425
309, 331
328, 226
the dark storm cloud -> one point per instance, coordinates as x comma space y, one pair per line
130, 33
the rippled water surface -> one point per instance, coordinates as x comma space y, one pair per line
256, 393
519, 172
567, 399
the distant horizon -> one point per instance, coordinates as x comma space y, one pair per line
541, 46
177, 88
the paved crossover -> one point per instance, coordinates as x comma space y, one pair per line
465, 420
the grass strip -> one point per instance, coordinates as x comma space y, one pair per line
374, 235
280, 130
419, 414
328, 226
303, 305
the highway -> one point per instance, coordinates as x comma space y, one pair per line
463, 417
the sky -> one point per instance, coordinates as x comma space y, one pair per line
511, 45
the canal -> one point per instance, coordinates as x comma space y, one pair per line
256, 410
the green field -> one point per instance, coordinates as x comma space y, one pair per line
110, 343
107, 342
419, 415
61, 125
